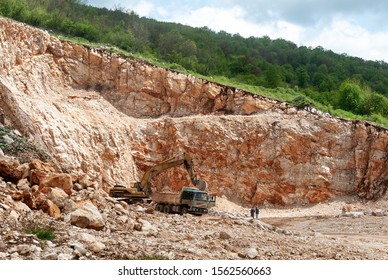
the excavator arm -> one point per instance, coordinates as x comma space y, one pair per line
185, 159
142, 189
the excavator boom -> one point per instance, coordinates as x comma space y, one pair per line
142, 189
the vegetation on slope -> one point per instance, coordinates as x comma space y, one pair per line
14, 144
345, 86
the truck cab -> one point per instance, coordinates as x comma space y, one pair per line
196, 201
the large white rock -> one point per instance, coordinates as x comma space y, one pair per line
87, 216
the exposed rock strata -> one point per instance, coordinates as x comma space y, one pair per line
111, 117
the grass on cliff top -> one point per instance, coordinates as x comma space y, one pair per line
288, 95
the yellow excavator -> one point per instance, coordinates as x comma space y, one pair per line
142, 189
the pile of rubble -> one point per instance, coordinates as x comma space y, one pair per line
88, 224
349, 211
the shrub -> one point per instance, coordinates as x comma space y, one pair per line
43, 232
350, 96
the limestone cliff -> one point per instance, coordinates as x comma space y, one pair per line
112, 117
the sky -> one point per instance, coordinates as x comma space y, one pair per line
355, 27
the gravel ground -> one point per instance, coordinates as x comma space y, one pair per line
317, 232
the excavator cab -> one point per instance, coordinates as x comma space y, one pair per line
128, 194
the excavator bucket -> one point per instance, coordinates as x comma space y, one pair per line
200, 184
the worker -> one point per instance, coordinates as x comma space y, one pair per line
252, 212
257, 212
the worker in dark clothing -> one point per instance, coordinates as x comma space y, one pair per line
257, 211
252, 212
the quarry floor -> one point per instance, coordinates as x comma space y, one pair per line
227, 232
367, 231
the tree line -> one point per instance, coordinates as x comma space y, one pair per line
335, 80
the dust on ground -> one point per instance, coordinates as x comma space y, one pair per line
367, 228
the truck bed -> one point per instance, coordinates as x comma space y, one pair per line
166, 198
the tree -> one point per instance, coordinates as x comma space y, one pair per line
273, 77
375, 103
303, 77
350, 96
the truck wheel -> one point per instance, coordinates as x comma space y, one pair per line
166, 209
159, 207
184, 210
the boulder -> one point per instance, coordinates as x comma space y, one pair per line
23, 184
21, 207
87, 241
69, 206
36, 176
86, 237
36, 164
47, 206
86, 182
80, 248
26, 197
58, 196
56, 180
23, 249
29, 199
96, 247
50, 256
9, 168
24, 170
87, 216
77, 187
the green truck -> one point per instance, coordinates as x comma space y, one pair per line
189, 200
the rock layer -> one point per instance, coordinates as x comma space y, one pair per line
111, 117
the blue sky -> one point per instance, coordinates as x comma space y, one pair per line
356, 27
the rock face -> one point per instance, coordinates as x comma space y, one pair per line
111, 117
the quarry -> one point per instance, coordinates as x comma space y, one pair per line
100, 119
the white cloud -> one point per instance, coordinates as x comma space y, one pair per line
215, 18
162, 12
343, 36
288, 31
233, 20
143, 8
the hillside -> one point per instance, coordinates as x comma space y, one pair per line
342, 85
103, 118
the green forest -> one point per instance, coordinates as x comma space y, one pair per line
342, 85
